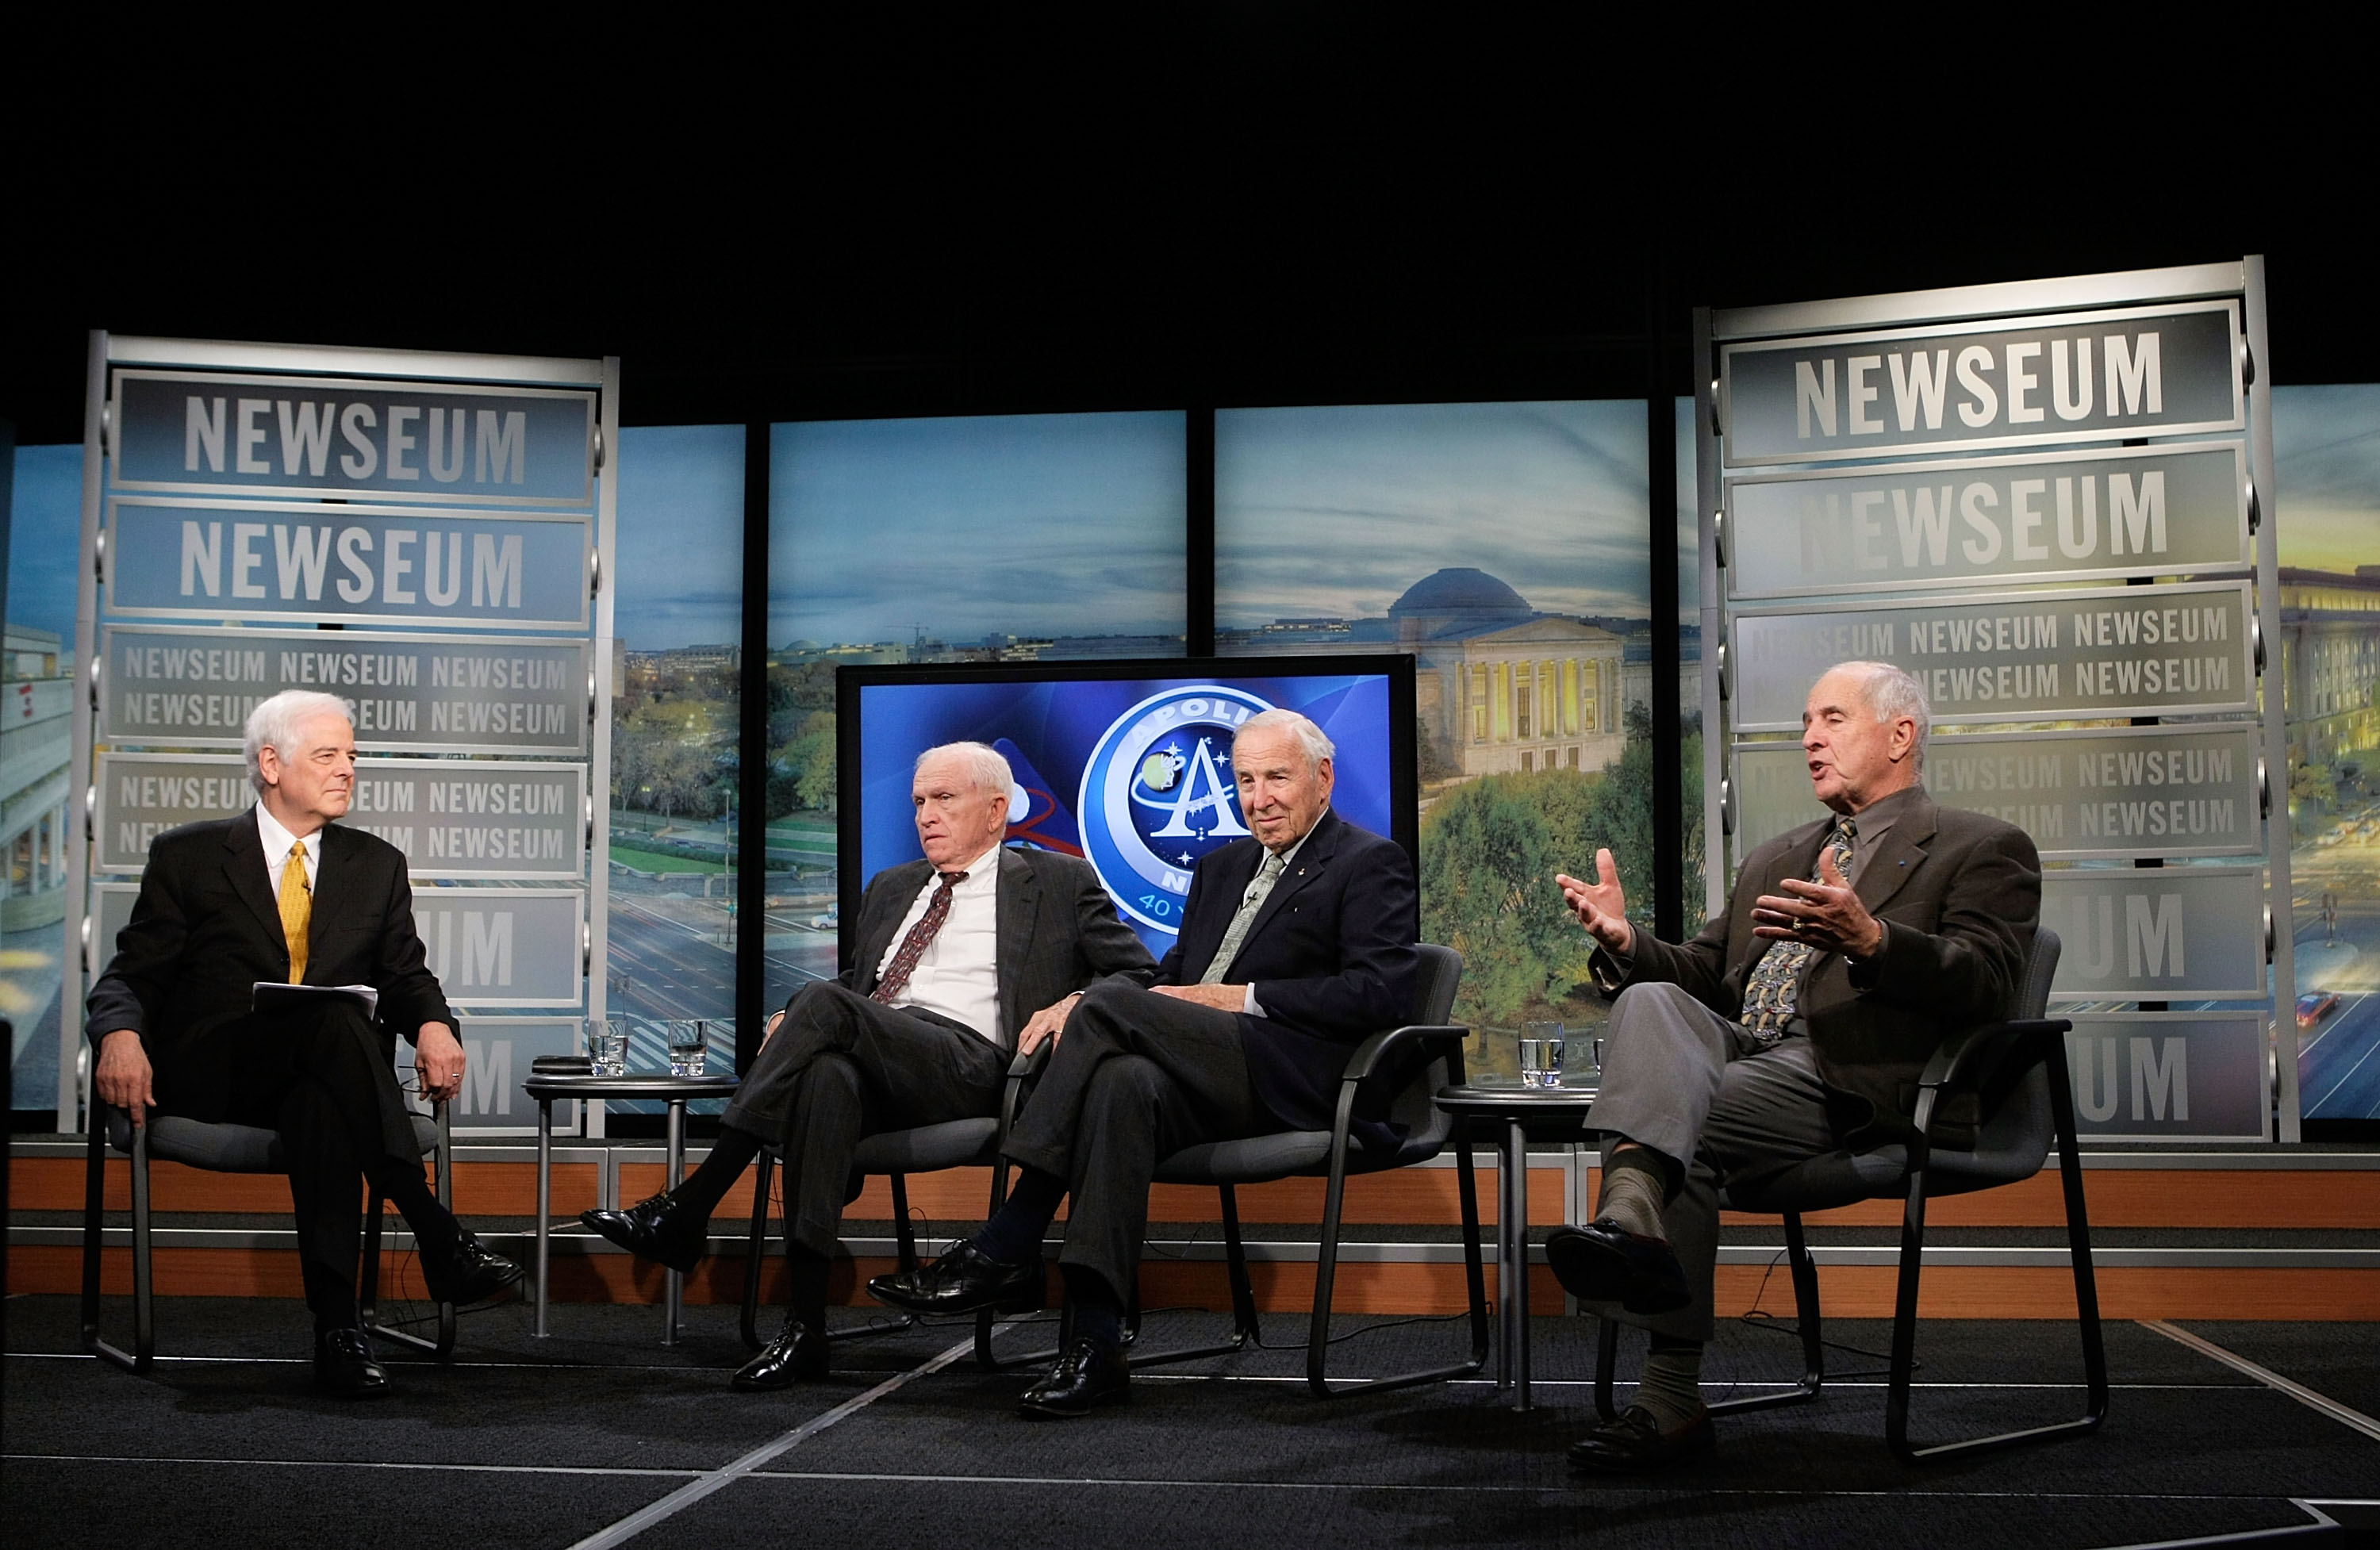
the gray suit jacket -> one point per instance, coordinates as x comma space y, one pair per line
1058, 931
1958, 894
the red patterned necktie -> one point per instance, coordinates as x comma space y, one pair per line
913, 946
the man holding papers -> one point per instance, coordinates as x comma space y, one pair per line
278, 894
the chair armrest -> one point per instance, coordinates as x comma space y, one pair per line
1379, 1046
1974, 1060
1011, 1097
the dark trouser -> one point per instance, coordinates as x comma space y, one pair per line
1699, 1089
841, 1066
1137, 1077
325, 1083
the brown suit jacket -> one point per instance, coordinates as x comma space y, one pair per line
1958, 894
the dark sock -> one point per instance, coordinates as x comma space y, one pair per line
435, 1231
709, 1184
805, 1298
1014, 1233
1098, 1311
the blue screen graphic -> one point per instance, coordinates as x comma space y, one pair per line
1133, 774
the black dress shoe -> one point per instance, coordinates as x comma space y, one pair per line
798, 1351
1088, 1375
475, 1275
658, 1229
344, 1366
1603, 1262
965, 1280
1635, 1443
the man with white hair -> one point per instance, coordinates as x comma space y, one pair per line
960, 957
1796, 1024
1296, 944
280, 894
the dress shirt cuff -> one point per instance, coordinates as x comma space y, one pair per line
1249, 1003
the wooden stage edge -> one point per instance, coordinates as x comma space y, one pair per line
1846, 1291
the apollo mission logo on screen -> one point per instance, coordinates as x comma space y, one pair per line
1157, 794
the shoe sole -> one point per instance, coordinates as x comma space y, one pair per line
1594, 1272
1029, 1301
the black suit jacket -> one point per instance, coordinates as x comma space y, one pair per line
1958, 894
207, 927
1330, 955
1058, 931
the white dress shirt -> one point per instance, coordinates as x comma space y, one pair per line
958, 975
277, 841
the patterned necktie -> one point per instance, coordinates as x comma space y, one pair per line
1776, 980
297, 910
913, 946
1259, 889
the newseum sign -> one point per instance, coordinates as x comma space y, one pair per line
2050, 502
421, 535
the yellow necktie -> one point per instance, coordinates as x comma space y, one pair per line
296, 911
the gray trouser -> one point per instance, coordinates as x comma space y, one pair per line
1699, 1089
841, 1067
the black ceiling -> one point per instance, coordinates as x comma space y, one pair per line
1220, 205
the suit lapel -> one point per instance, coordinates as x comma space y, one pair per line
1305, 870
334, 896
876, 932
1017, 910
1897, 856
244, 865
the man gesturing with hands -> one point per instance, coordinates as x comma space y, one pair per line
1795, 1024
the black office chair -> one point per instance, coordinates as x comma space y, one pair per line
224, 1148
1434, 1050
897, 1154
2019, 1066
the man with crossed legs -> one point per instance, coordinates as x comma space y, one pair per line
1795, 1024
953, 952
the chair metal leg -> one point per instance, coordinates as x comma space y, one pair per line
985, 1357
1244, 1303
2086, 1298
1806, 1313
756, 1246
94, 1226
1317, 1339
367, 1294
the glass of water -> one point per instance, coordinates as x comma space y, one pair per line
1541, 1054
607, 1045
688, 1042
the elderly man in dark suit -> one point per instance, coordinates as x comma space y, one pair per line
278, 893
1296, 944
959, 957
1795, 1024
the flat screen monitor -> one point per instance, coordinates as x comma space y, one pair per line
1126, 764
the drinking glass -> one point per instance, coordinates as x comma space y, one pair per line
688, 1042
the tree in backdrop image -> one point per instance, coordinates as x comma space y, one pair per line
1490, 850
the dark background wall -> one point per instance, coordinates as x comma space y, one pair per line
782, 218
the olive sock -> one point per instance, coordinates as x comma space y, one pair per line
1632, 1194
1671, 1386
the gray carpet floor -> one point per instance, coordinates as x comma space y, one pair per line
548, 1443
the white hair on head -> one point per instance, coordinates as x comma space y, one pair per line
1313, 739
986, 767
276, 721
1893, 693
